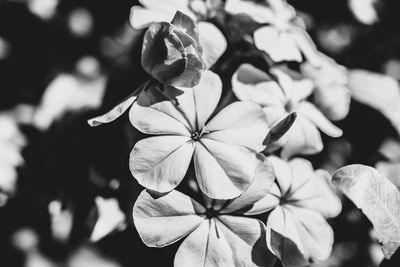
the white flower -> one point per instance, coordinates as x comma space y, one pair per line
218, 233
279, 96
297, 231
282, 39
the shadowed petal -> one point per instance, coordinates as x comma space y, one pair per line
298, 236
259, 188
160, 163
154, 112
161, 221
223, 171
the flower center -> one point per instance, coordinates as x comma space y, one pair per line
211, 213
196, 136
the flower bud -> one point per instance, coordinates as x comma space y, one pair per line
172, 53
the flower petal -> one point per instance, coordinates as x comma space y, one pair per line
247, 240
298, 236
160, 163
212, 41
142, 17
161, 221
240, 123
252, 84
306, 46
231, 241
309, 111
259, 188
154, 113
277, 44
259, 13
312, 190
114, 113
223, 171
303, 138
206, 96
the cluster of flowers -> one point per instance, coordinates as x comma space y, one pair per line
224, 177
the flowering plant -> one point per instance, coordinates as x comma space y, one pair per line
230, 146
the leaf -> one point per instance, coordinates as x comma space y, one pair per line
378, 91
378, 199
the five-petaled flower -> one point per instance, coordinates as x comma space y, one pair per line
282, 35
297, 231
223, 147
280, 95
218, 233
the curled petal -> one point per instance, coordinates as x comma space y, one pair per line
114, 113
163, 220
309, 111
160, 163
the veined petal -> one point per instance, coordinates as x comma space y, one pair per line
240, 123
231, 241
114, 113
277, 44
303, 138
247, 240
163, 220
159, 163
206, 96
309, 111
223, 171
204, 247
212, 41
259, 188
298, 236
155, 112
